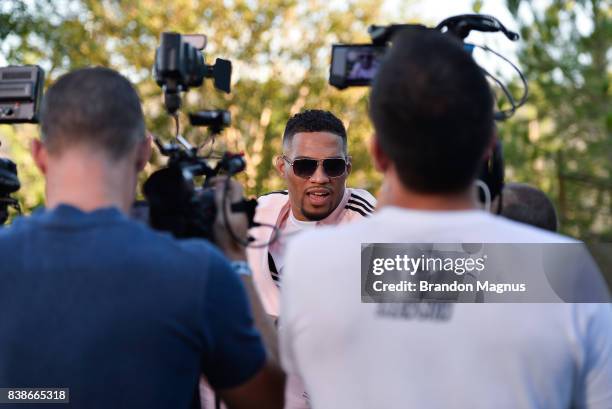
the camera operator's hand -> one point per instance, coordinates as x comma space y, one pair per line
236, 220
235, 251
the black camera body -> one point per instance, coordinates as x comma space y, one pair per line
20, 93
9, 183
180, 65
176, 203
215, 119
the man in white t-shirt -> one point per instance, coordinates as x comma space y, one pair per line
433, 119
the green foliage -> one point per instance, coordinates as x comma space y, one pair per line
280, 50
561, 141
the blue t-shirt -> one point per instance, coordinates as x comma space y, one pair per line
124, 316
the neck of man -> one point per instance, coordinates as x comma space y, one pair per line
89, 181
393, 193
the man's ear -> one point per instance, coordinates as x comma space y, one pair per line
143, 153
381, 160
40, 155
349, 164
279, 164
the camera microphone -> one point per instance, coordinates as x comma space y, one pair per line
215, 119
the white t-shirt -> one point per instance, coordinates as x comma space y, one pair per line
433, 355
291, 227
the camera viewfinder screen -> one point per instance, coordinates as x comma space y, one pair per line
356, 64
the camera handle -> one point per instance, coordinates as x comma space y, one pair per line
460, 26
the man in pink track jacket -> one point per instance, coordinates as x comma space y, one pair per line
315, 164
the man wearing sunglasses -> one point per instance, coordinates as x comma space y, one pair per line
314, 164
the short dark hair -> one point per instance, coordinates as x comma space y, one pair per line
93, 106
314, 120
527, 204
432, 110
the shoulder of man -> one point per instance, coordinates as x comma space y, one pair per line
512, 232
269, 206
156, 251
274, 197
360, 203
193, 255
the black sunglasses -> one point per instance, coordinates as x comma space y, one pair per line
306, 167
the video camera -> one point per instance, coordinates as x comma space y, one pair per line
176, 203
357, 64
346, 56
180, 65
20, 95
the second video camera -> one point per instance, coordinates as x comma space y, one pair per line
175, 201
356, 64
180, 65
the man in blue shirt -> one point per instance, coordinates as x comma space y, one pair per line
123, 316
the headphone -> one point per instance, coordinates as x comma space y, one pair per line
492, 171
492, 174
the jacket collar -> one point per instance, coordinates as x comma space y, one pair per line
333, 218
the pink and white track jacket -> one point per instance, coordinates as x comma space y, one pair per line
273, 209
